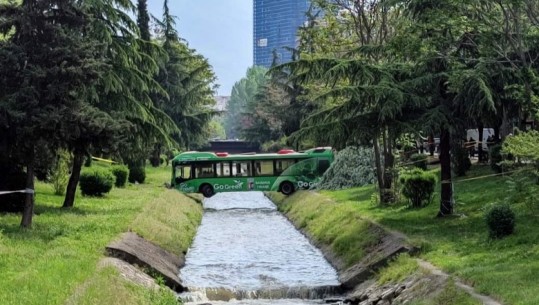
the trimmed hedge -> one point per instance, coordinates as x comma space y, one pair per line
500, 219
418, 187
137, 174
121, 172
96, 182
419, 161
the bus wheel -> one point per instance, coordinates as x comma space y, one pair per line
287, 188
207, 190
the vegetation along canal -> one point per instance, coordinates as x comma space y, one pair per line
246, 251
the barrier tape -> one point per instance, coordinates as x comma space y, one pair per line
103, 160
25, 191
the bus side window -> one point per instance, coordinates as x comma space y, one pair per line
241, 169
282, 165
264, 168
223, 169
204, 170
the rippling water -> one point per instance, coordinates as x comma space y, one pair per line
244, 248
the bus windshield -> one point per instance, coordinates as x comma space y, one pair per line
285, 171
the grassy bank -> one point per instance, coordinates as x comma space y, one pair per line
505, 269
58, 257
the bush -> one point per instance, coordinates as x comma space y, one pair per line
96, 182
418, 186
137, 174
460, 160
419, 161
495, 157
353, 166
60, 172
500, 220
120, 172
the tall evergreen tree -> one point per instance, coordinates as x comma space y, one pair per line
143, 20
47, 67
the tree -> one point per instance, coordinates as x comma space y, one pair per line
143, 20
120, 114
187, 78
46, 67
242, 98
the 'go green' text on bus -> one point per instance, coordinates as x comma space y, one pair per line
286, 171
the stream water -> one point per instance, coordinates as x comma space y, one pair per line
246, 252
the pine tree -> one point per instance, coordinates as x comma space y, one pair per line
48, 67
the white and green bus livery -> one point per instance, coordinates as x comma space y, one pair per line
286, 171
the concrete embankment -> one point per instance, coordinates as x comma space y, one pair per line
161, 235
361, 250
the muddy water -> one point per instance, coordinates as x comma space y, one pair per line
244, 250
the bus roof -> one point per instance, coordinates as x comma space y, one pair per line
196, 156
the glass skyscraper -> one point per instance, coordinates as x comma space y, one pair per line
276, 23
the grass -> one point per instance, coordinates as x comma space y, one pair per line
49, 262
506, 269
349, 236
397, 270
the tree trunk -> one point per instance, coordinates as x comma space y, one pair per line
480, 142
446, 201
78, 158
506, 127
155, 159
389, 195
379, 169
28, 212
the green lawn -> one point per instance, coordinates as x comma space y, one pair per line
506, 269
50, 262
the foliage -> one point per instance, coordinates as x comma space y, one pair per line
353, 166
275, 146
500, 220
460, 160
120, 172
137, 174
398, 269
60, 172
187, 79
241, 99
495, 158
96, 182
524, 146
419, 161
418, 187
523, 187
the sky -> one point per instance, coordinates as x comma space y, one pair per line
220, 30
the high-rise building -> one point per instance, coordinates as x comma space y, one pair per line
276, 23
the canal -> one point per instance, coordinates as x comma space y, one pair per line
246, 252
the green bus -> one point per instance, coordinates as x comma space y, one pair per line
284, 171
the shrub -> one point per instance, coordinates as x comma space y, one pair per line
137, 174
120, 172
60, 172
96, 182
495, 157
460, 160
419, 161
88, 161
500, 219
418, 186
353, 166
